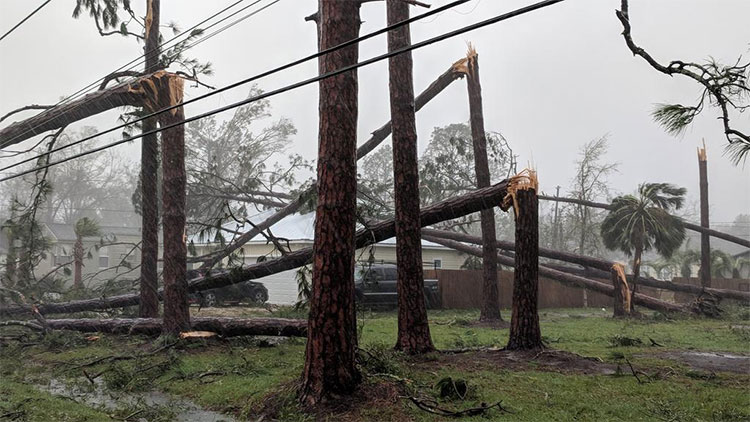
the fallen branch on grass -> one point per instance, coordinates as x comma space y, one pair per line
226, 327
431, 406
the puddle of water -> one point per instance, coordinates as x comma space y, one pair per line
97, 396
716, 355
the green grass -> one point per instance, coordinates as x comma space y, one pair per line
236, 376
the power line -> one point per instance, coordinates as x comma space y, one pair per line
140, 59
296, 85
25, 19
244, 81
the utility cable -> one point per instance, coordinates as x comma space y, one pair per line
141, 59
25, 19
296, 85
245, 81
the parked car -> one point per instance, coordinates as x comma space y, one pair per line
376, 285
248, 291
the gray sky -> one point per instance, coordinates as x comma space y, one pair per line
552, 80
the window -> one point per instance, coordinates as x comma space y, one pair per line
437, 263
103, 257
63, 259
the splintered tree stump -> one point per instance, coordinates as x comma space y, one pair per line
622, 297
524, 324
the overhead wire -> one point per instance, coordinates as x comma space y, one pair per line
24, 19
141, 59
296, 85
244, 81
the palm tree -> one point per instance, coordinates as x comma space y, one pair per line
85, 227
639, 223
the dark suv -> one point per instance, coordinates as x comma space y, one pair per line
248, 291
377, 285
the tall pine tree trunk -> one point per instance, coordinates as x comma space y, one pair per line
149, 303
524, 323
413, 327
636, 269
330, 368
490, 296
705, 270
176, 311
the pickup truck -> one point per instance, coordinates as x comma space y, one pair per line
376, 285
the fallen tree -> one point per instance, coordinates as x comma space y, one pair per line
595, 267
378, 136
373, 233
226, 327
134, 93
566, 278
689, 226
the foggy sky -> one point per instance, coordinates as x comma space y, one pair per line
552, 80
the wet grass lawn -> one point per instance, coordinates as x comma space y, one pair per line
587, 374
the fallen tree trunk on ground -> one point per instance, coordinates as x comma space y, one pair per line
125, 94
378, 136
444, 210
597, 267
566, 278
689, 226
226, 327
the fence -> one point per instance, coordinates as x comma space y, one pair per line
741, 284
462, 289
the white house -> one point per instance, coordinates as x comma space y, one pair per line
297, 231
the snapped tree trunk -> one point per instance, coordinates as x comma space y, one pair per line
377, 232
225, 327
149, 303
524, 323
705, 270
621, 297
176, 311
413, 327
330, 367
78, 263
490, 310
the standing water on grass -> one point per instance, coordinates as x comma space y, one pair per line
148, 406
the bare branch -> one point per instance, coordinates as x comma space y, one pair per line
24, 108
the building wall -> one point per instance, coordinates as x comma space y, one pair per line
94, 274
282, 287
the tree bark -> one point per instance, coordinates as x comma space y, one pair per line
176, 311
149, 303
376, 139
330, 367
705, 270
78, 263
445, 210
413, 328
490, 310
689, 226
636, 266
567, 278
225, 327
622, 296
125, 94
524, 323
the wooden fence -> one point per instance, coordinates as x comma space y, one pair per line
462, 289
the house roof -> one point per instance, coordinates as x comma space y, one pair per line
63, 232
295, 228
